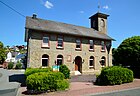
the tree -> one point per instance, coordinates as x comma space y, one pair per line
2, 53
128, 52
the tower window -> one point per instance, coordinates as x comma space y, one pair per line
102, 23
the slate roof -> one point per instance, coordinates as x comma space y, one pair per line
63, 28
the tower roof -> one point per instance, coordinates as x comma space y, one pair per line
98, 14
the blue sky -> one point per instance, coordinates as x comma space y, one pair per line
123, 21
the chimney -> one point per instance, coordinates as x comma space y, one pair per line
34, 16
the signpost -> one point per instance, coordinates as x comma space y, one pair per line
55, 68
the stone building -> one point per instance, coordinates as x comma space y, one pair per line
84, 50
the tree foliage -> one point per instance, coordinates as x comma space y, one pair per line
2, 53
128, 53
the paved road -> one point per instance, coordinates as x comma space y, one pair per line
128, 92
8, 82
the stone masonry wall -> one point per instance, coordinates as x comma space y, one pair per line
35, 52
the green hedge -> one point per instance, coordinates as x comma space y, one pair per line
10, 65
18, 65
114, 75
62, 84
43, 81
30, 71
64, 69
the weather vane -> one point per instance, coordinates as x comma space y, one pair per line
99, 6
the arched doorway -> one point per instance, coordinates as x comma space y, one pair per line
78, 64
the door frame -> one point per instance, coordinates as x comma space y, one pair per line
78, 64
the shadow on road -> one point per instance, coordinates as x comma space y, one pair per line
18, 78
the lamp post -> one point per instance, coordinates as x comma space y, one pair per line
108, 47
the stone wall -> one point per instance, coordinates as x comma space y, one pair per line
35, 52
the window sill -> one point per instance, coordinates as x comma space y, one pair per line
102, 50
103, 65
59, 47
92, 50
78, 49
48, 47
44, 67
91, 67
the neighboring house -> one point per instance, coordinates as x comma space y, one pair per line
11, 57
82, 49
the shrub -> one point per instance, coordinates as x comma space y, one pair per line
30, 71
18, 65
43, 81
10, 65
64, 69
35, 82
114, 75
62, 84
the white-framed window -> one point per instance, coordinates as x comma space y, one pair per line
45, 60
103, 61
45, 42
78, 44
91, 45
60, 42
103, 46
59, 60
91, 62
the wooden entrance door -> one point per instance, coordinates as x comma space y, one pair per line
78, 64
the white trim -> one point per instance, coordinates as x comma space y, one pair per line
91, 66
78, 48
91, 49
59, 47
59, 58
44, 58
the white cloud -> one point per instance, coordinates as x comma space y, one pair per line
82, 12
48, 4
106, 7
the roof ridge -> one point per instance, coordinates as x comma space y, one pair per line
59, 22
50, 26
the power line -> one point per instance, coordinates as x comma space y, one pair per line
13, 9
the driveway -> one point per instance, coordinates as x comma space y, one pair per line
83, 78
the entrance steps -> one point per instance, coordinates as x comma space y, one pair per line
77, 73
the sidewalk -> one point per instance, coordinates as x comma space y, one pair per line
87, 88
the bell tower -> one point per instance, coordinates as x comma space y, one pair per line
99, 22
